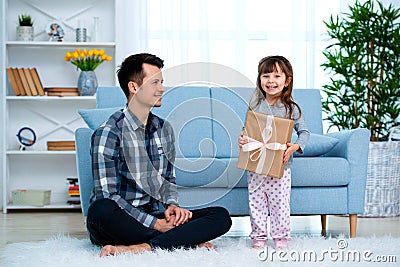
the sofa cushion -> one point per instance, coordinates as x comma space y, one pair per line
317, 145
320, 171
311, 107
306, 171
229, 107
188, 109
319, 200
95, 117
200, 172
236, 176
110, 96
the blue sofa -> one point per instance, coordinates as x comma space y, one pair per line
329, 178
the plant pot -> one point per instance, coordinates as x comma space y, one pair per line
24, 33
87, 83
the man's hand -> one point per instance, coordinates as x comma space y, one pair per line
291, 148
177, 215
162, 225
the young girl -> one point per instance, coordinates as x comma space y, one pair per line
273, 96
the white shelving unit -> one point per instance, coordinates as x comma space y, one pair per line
52, 118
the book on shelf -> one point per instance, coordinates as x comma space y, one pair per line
62, 91
60, 145
61, 148
13, 81
19, 81
37, 81
30, 82
24, 81
73, 181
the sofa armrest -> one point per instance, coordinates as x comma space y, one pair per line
354, 146
84, 166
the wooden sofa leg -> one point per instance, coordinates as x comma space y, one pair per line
323, 224
353, 225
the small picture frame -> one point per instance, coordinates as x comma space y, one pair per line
56, 32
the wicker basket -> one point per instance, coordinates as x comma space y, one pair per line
382, 195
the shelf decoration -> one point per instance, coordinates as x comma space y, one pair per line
25, 28
56, 32
87, 83
26, 137
87, 61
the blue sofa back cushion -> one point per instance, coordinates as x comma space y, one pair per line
109, 97
317, 145
188, 109
309, 101
96, 117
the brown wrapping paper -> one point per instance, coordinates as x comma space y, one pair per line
268, 136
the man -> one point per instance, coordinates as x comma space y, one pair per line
132, 161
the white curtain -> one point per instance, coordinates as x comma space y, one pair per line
234, 33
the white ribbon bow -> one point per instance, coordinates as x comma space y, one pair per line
260, 148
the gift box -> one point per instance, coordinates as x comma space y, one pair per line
267, 136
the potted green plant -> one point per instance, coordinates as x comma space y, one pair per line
364, 63
25, 28
363, 60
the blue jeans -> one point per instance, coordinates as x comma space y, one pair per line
108, 224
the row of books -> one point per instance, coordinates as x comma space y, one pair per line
26, 82
60, 145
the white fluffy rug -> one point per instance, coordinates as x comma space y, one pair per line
230, 251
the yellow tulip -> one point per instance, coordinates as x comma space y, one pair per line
86, 59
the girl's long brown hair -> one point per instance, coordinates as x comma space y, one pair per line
270, 64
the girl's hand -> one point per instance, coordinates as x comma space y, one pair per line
291, 148
241, 140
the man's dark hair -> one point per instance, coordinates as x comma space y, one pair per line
131, 69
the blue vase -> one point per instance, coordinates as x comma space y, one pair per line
87, 83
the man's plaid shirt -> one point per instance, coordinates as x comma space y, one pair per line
133, 164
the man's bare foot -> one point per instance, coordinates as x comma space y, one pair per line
110, 250
207, 245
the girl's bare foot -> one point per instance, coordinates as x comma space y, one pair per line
110, 250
